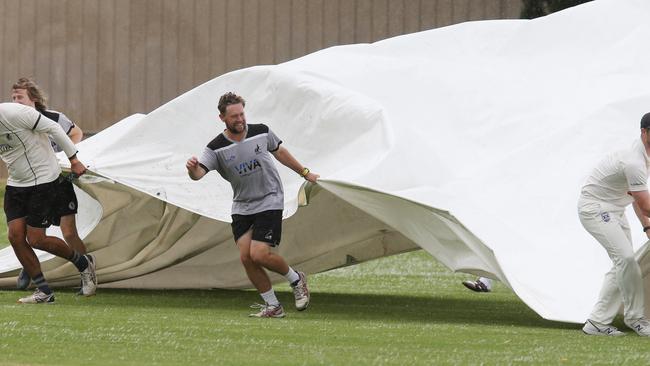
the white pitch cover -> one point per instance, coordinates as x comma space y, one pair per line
469, 141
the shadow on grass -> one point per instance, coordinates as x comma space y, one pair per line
478, 310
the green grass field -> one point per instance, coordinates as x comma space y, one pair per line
401, 310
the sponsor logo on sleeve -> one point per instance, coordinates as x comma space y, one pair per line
605, 216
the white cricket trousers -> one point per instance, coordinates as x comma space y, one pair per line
608, 224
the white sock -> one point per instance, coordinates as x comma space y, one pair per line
292, 276
269, 297
487, 282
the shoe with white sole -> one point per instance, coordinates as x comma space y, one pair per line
301, 292
89, 278
268, 311
641, 326
38, 297
593, 328
477, 286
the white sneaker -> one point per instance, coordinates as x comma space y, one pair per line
641, 326
88, 277
268, 311
38, 297
593, 328
301, 292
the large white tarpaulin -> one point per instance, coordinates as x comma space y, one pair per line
469, 141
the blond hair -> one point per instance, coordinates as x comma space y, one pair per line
33, 91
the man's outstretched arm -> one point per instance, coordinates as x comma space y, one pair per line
284, 156
194, 168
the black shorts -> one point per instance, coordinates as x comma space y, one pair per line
34, 203
66, 201
267, 226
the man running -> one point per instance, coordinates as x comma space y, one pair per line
31, 188
242, 155
619, 179
26, 92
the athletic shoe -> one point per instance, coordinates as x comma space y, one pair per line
301, 292
641, 326
268, 311
477, 286
23, 280
593, 328
88, 277
38, 297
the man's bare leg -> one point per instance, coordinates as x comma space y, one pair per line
263, 256
256, 274
17, 231
37, 239
260, 279
71, 235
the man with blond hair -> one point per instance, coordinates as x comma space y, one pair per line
242, 154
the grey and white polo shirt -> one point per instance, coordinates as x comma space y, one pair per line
249, 167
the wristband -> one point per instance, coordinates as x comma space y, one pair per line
305, 171
646, 228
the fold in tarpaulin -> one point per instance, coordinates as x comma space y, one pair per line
469, 141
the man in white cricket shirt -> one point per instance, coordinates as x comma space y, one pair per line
26, 92
618, 180
31, 192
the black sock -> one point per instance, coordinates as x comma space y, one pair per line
79, 261
42, 285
